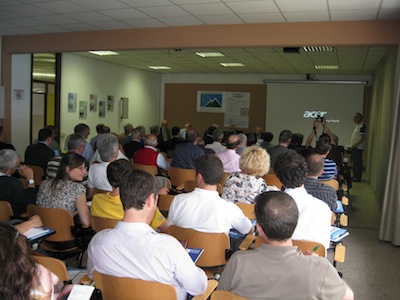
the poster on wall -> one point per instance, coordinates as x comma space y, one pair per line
82, 109
237, 109
102, 109
110, 103
72, 98
210, 101
93, 102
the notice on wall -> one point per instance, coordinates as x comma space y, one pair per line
237, 109
210, 101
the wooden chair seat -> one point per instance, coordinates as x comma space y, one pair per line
38, 174
123, 288
272, 179
215, 245
164, 202
55, 265
6, 211
149, 169
302, 245
225, 295
99, 223
333, 183
178, 176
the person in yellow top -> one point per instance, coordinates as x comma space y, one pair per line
109, 205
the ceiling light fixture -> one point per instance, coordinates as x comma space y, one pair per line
104, 53
232, 64
319, 49
159, 67
326, 67
210, 54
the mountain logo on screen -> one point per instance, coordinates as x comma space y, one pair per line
213, 103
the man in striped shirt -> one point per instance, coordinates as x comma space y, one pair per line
323, 148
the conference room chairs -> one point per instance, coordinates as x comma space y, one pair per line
123, 288
62, 244
272, 180
178, 176
216, 247
225, 295
99, 223
6, 212
164, 203
55, 265
38, 174
149, 169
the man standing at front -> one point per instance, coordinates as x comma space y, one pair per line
278, 270
133, 249
357, 146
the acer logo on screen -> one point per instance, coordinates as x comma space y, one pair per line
314, 114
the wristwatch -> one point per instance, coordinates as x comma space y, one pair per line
31, 181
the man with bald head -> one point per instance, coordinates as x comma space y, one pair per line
149, 155
229, 157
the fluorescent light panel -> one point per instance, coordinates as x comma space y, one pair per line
232, 64
159, 67
326, 67
210, 54
319, 49
104, 53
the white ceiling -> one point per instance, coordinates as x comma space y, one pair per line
22, 17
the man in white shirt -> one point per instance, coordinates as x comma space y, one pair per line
314, 215
133, 249
229, 157
203, 209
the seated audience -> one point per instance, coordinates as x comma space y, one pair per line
229, 157
125, 137
203, 209
84, 130
285, 137
182, 132
244, 186
278, 270
251, 139
100, 131
107, 147
133, 249
108, 205
314, 216
267, 138
11, 188
216, 145
243, 143
186, 153
76, 144
39, 154
64, 191
323, 148
21, 277
208, 135
296, 144
134, 144
3, 140
164, 135
149, 155
175, 139
326, 193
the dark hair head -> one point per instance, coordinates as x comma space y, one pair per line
324, 144
297, 139
81, 128
285, 136
291, 169
191, 135
267, 136
277, 214
44, 134
210, 167
117, 171
218, 135
136, 188
175, 130
99, 128
315, 164
251, 138
211, 129
16, 263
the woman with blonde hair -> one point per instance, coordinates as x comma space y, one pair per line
244, 186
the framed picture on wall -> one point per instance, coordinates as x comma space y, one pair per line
102, 109
93, 102
210, 101
110, 103
72, 98
82, 109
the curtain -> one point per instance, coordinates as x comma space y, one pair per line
390, 220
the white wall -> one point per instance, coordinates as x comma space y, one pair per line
86, 76
20, 109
